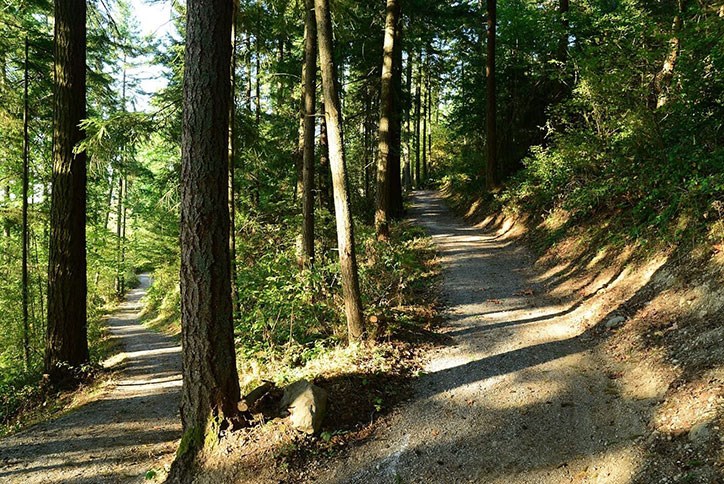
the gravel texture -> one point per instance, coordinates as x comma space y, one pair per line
122, 435
520, 397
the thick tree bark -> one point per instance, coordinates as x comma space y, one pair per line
387, 105
310, 101
67, 340
210, 386
491, 167
340, 183
26, 182
232, 161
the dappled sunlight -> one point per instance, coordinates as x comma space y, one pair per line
522, 389
125, 431
617, 465
506, 420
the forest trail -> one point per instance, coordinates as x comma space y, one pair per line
119, 436
521, 395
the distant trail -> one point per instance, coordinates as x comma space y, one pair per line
519, 398
131, 429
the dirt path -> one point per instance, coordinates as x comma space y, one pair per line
519, 398
118, 437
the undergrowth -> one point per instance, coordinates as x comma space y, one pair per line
290, 324
613, 192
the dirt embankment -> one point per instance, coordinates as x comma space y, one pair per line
657, 321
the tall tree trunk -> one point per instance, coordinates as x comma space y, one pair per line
247, 61
310, 101
417, 123
232, 161
120, 273
662, 80
210, 385
67, 337
407, 173
563, 7
491, 166
340, 183
119, 235
255, 192
109, 198
366, 142
298, 155
396, 208
26, 182
387, 105
257, 80
429, 120
325, 185
424, 119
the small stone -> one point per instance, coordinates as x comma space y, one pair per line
615, 322
699, 433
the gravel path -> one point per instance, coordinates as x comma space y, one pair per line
121, 435
519, 398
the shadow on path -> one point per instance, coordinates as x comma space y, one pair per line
123, 434
519, 397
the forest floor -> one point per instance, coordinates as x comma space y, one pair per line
535, 387
127, 434
587, 370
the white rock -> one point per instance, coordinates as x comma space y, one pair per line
306, 405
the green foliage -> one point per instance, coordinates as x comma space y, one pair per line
279, 303
608, 152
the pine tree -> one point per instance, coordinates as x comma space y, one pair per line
211, 386
67, 340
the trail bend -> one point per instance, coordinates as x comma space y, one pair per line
520, 397
131, 429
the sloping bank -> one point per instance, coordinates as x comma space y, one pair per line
654, 299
